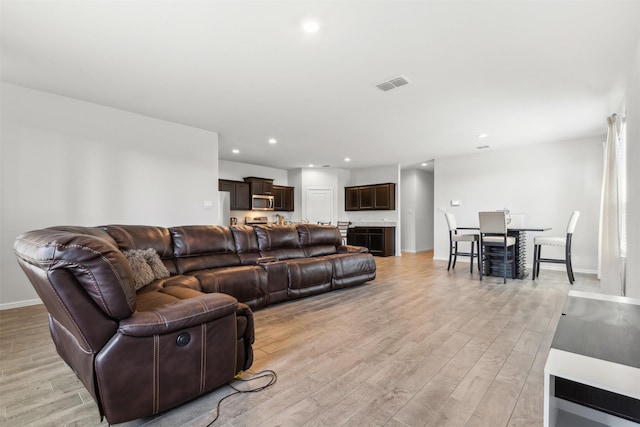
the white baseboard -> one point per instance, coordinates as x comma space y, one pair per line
543, 266
415, 252
18, 304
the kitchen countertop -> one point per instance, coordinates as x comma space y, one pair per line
373, 223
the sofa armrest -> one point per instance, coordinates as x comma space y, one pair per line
179, 315
350, 249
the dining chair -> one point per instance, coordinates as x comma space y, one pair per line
324, 222
559, 242
455, 238
495, 244
343, 226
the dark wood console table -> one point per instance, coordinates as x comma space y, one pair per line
381, 241
520, 233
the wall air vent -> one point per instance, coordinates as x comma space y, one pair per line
393, 83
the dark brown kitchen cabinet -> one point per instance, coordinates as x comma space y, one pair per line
370, 197
381, 241
384, 196
240, 194
351, 199
283, 198
260, 186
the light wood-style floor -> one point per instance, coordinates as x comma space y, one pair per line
419, 346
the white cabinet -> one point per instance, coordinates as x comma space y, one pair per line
594, 356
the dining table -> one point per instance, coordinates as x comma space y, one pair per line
520, 234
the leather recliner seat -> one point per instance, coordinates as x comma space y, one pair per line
137, 353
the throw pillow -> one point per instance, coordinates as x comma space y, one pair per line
142, 272
154, 261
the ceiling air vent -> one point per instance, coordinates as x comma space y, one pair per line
393, 83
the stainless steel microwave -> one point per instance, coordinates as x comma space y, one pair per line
262, 203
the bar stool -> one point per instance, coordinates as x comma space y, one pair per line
493, 234
454, 238
561, 242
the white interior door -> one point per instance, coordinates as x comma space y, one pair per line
320, 205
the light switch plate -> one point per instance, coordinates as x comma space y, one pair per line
455, 203
207, 204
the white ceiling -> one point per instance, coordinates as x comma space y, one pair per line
523, 72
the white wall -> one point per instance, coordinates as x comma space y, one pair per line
409, 201
237, 171
545, 181
632, 100
295, 180
417, 210
69, 162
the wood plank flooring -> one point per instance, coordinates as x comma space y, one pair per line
419, 346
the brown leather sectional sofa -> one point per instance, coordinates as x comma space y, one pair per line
141, 352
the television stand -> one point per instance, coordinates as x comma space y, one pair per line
592, 374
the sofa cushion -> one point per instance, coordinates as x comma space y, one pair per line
129, 237
313, 234
248, 283
246, 244
201, 247
308, 276
318, 240
352, 269
281, 242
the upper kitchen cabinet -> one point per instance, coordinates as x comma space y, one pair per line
240, 199
260, 186
384, 196
370, 197
283, 198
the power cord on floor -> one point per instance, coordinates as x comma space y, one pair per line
267, 373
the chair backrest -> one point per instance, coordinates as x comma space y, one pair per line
343, 226
494, 222
324, 222
573, 221
451, 221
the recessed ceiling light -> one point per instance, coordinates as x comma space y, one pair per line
423, 164
310, 27
483, 135
310, 165
483, 147
272, 141
347, 159
235, 151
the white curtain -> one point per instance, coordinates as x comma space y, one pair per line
611, 270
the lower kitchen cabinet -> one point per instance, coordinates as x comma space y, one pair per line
380, 240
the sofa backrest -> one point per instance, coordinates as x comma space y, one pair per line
246, 242
83, 279
200, 247
279, 241
318, 240
129, 237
